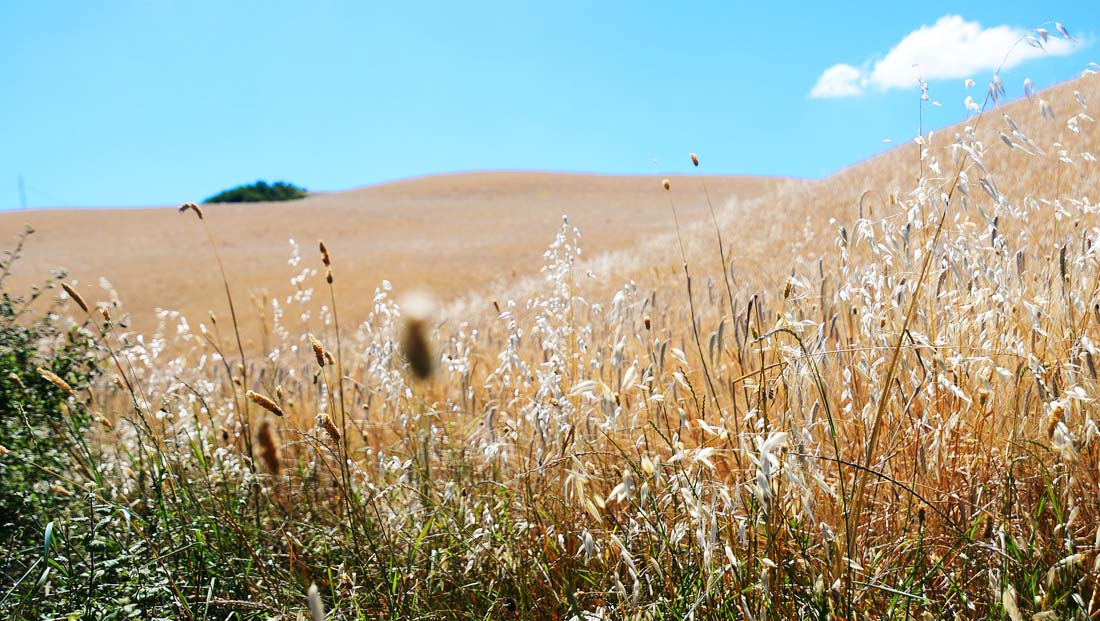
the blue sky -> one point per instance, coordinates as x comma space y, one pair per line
154, 102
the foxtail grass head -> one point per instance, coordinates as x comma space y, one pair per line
72, 293
318, 350
264, 402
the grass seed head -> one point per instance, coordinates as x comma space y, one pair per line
316, 606
695, 160
666, 184
54, 379
184, 208
325, 258
269, 453
416, 310
75, 296
325, 421
264, 402
318, 350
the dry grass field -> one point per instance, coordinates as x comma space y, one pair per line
876, 398
452, 235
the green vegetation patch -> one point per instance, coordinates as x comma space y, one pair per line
258, 192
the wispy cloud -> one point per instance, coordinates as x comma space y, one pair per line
950, 48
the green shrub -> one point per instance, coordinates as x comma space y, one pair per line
261, 191
42, 425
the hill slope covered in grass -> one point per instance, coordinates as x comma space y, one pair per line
878, 400
450, 234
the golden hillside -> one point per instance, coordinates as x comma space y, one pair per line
449, 234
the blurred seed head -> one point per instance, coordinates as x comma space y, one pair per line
269, 453
666, 183
316, 606
417, 309
695, 159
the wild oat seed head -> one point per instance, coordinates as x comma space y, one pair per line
193, 207
106, 312
695, 159
75, 296
666, 183
264, 402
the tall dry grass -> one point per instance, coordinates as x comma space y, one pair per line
889, 412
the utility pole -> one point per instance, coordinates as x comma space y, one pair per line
22, 193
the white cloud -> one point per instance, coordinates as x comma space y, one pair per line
950, 48
839, 81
